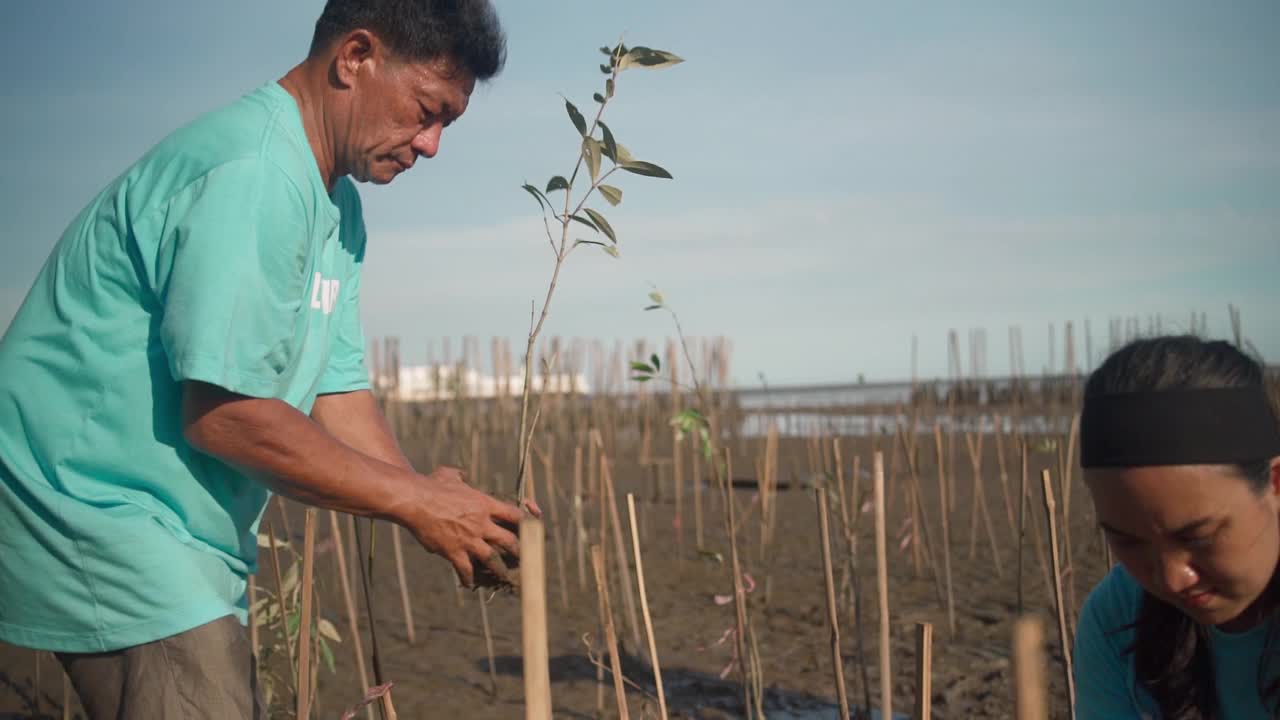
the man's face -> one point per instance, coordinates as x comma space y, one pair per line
396, 111
1196, 536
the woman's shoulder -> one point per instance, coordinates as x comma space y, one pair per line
1105, 686
1114, 602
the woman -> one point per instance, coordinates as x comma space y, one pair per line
1181, 454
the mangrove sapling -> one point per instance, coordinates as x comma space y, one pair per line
692, 421
278, 614
591, 152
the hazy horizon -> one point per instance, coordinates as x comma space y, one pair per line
847, 175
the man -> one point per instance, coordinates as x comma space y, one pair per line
194, 343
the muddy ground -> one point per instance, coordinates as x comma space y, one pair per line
446, 674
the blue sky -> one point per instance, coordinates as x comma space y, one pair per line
847, 174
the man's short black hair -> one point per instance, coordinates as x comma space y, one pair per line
465, 32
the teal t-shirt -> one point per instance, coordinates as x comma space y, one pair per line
220, 257
1106, 685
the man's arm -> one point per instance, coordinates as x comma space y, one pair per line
297, 457
354, 419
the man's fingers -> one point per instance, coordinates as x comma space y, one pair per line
504, 539
462, 566
490, 559
505, 512
533, 508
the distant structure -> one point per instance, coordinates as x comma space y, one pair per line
423, 383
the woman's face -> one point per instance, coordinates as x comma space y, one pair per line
1198, 537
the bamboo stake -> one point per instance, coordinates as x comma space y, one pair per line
946, 535
1031, 692
624, 569
280, 599
924, 671
832, 618
739, 594
920, 524
578, 523
611, 637
882, 586
349, 601
980, 505
253, 619
644, 608
696, 479
1037, 543
488, 643
304, 626
404, 585
677, 480
533, 608
366, 570
1063, 635
1004, 474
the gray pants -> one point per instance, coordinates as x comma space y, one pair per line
207, 672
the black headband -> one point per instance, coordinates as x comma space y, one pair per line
1178, 427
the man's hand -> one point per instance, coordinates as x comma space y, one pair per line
464, 526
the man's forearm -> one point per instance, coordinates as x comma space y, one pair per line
296, 457
355, 419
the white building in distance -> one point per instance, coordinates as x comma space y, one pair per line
440, 382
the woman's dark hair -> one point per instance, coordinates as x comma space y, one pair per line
1171, 652
465, 32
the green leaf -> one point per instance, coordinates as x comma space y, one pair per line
641, 366
584, 221
706, 442
610, 145
654, 307
612, 250
327, 655
642, 378
607, 51
591, 153
576, 243
647, 169
611, 193
557, 183
606, 69
656, 297
601, 223
598, 98
657, 364
648, 58
537, 194
578, 121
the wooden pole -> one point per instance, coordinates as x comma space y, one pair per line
280, 599
1063, 636
1031, 692
833, 619
946, 534
624, 569
533, 609
644, 608
611, 637
924, 671
404, 585
882, 587
580, 530
304, 626
349, 601
253, 619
